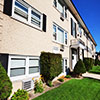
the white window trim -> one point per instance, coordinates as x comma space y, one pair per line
56, 41
29, 17
27, 75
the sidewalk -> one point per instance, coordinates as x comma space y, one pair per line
91, 75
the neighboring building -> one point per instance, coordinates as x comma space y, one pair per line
28, 27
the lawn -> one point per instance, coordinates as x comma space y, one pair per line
95, 69
84, 89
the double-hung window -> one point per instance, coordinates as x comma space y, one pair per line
54, 32
17, 67
73, 28
27, 14
35, 18
33, 66
65, 37
21, 10
59, 34
61, 6
20, 66
64, 65
80, 30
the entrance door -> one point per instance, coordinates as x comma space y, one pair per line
74, 60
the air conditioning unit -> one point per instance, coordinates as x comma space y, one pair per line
27, 84
62, 16
62, 48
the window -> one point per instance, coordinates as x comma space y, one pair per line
80, 30
54, 32
35, 18
65, 38
73, 28
25, 13
59, 34
60, 5
19, 66
64, 65
55, 3
33, 66
21, 10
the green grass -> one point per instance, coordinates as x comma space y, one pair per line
95, 69
85, 89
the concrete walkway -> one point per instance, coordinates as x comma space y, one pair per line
91, 75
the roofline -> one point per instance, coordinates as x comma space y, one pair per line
84, 23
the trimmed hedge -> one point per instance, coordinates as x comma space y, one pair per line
51, 65
5, 84
89, 62
79, 68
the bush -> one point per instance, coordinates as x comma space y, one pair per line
79, 68
97, 62
20, 95
67, 76
5, 84
49, 83
89, 62
51, 65
61, 80
39, 86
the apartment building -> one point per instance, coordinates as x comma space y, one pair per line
28, 27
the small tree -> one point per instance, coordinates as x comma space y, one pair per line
5, 84
79, 68
51, 65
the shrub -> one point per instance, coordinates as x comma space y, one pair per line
49, 83
97, 62
79, 68
67, 76
39, 86
89, 62
5, 84
61, 80
51, 65
20, 95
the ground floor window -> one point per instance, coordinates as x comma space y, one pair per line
64, 65
23, 65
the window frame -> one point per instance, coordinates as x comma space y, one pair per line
28, 21
65, 32
64, 11
14, 78
73, 28
33, 65
64, 64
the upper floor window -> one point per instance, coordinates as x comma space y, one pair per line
54, 32
60, 5
21, 10
65, 38
36, 18
80, 30
24, 12
73, 28
59, 34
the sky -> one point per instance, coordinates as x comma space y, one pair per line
90, 13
